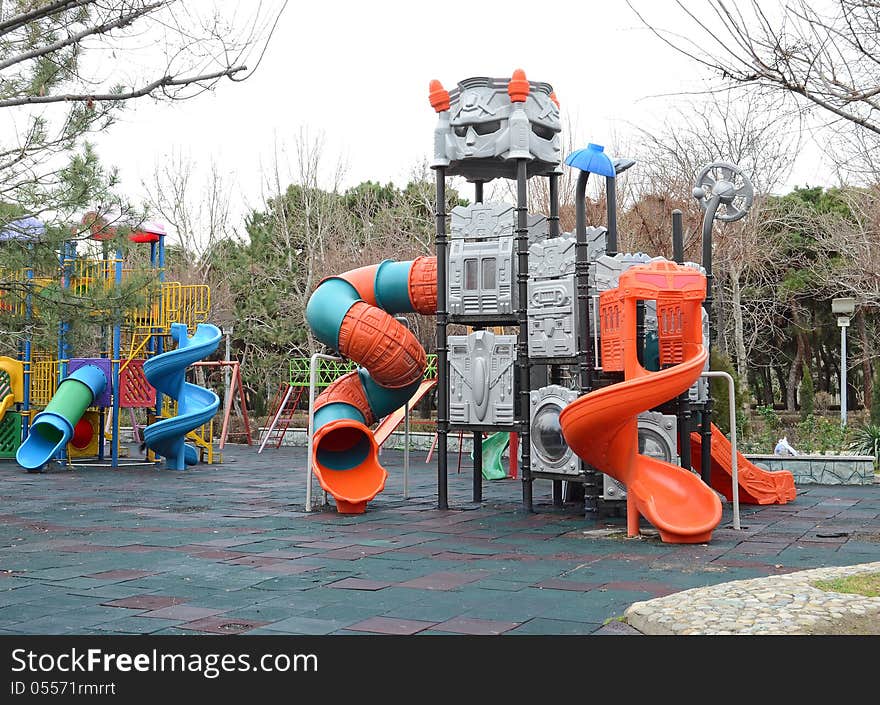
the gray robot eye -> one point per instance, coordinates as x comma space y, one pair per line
543, 132
487, 128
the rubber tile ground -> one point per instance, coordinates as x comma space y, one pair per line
229, 549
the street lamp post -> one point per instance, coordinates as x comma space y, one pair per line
844, 308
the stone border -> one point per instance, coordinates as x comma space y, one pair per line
783, 604
821, 469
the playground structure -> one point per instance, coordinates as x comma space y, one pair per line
133, 366
604, 385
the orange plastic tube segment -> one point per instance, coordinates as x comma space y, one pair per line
423, 285
347, 390
387, 349
363, 279
518, 87
438, 96
354, 487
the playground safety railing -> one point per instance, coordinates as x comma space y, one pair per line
186, 303
44, 379
331, 368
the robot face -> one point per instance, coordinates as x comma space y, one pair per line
479, 123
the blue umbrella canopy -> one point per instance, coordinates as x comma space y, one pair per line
592, 159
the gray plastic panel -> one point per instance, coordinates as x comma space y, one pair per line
482, 258
550, 453
485, 221
658, 438
552, 325
552, 258
482, 277
481, 378
551, 304
596, 243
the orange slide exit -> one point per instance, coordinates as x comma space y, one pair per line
602, 426
756, 485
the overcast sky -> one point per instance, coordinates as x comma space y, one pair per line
356, 74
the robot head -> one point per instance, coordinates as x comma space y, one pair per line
485, 131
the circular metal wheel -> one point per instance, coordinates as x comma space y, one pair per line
730, 184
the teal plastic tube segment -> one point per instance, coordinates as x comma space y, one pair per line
356, 447
53, 427
334, 412
384, 400
327, 307
392, 286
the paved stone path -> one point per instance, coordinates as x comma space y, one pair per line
786, 604
229, 549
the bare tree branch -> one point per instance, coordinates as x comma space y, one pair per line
826, 59
148, 89
77, 37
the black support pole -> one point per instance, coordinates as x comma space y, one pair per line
478, 466
442, 363
478, 191
554, 372
683, 409
706, 414
478, 448
640, 332
557, 493
677, 237
522, 356
611, 210
592, 481
553, 217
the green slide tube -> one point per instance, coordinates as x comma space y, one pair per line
53, 427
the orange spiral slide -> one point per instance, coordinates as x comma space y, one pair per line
602, 426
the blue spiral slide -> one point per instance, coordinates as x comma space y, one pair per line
195, 405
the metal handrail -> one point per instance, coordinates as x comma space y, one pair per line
313, 375
734, 470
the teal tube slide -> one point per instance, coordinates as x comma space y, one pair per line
195, 405
52, 428
325, 311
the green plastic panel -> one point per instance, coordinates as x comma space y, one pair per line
10, 434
